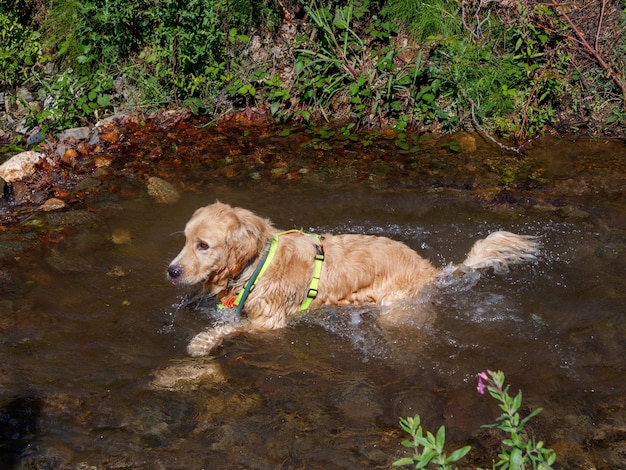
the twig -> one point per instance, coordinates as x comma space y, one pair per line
480, 128
600, 25
487, 136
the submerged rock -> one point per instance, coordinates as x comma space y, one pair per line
188, 375
162, 191
121, 236
72, 218
68, 263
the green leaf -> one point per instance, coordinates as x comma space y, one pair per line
404, 461
401, 144
63, 47
441, 437
458, 454
516, 461
104, 100
298, 67
517, 402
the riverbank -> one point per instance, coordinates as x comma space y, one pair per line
174, 152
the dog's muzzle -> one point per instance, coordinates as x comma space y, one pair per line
174, 271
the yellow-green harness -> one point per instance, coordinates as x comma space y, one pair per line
265, 262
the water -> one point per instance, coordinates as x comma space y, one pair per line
94, 372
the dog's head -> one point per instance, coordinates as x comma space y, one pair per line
220, 241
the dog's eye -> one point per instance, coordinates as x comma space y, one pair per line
202, 245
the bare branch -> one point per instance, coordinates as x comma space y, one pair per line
616, 77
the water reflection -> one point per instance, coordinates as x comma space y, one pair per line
93, 329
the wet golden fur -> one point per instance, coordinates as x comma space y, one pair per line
223, 245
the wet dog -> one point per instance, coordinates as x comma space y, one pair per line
269, 275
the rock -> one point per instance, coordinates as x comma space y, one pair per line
574, 212
78, 133
68, 263
121, 236
95, 139
52, 204
11, 248
72, 219
21, 193
60, 149
88, 183
24, 95
21, 165
467, 142
188, 375
34, 139
117, 272
162, 191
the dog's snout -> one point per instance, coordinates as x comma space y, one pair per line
174, 271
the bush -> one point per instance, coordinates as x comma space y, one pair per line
19, 50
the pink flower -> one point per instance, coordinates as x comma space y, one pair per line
481, 385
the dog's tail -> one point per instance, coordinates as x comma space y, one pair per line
501, 250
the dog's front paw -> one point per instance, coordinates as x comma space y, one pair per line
203, 343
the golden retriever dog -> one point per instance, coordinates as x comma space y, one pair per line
269, 275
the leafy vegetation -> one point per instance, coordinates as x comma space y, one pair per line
19, 49
516, 453
516, 69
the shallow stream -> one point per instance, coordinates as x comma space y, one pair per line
92, 341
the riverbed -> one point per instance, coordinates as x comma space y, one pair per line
92, 336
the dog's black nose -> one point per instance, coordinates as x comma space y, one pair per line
174, 271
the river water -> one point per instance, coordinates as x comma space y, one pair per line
92, 340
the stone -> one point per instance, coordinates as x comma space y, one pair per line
188, 375
21, 193
52, 204
24, 95
21, 166
72, 219
88, 184
34, 139
78, 133
68, 263
60, 149
162, 191
466, 141
121, 236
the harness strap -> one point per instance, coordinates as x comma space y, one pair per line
250, 283
265, 261
315, 281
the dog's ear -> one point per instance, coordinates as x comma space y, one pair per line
247, 239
